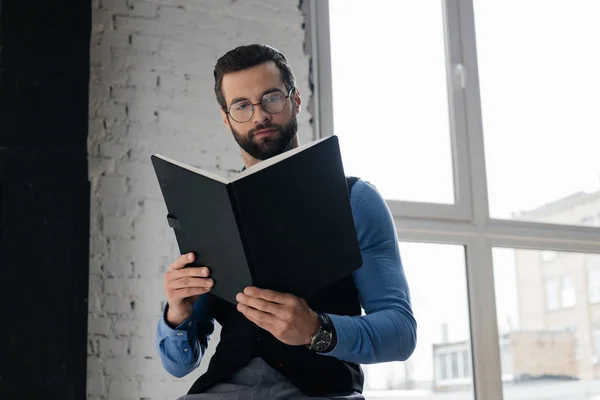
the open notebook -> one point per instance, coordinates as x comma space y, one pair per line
283, 224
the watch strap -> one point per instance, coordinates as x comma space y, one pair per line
329, 326
325, 325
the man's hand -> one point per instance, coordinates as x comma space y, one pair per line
286, 316
183, 286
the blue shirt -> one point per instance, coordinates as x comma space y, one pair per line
387, 331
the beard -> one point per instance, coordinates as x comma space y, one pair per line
268, 146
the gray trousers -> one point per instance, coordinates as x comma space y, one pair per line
257, 381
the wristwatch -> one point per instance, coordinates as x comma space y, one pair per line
323, 340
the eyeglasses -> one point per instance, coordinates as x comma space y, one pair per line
272, 103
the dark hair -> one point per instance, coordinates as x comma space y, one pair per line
249, 56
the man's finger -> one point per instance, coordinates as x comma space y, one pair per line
269, 295
189, 292
190, 282
262, 319
276, 309
198, 272
182, 261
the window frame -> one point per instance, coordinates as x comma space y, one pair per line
468, 221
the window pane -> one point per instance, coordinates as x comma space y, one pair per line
549, 255
540, 95
548, 353
441, 359
552, 301
567, 292
441, 308
466, 363
390, 100
455, 374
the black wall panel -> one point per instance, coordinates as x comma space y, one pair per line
44, 198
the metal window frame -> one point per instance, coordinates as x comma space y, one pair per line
467, 222
324, 125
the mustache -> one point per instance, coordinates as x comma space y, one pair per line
251, 132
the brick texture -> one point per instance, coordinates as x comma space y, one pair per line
151, 90
542, 354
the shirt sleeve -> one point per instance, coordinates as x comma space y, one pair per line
388, 330
181, 349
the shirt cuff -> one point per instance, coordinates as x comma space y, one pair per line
183, 331
344, 345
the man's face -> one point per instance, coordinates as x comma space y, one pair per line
265, 135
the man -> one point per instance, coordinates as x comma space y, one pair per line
276, 345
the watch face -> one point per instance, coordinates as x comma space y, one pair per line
322, 340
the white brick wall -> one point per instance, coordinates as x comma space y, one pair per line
151, 90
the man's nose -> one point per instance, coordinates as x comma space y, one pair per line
260, 115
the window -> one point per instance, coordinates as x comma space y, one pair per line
450, 300
455, 370
442, 366
560, 293
518, 146
552, 294
466, 364
432, 311
531, 299
554, 106
453, 364
567, 292
549, 256
404, 123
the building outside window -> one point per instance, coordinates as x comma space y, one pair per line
552, 294
567, 292
560, 293
454, 364
549, 255
588, 221
594, 279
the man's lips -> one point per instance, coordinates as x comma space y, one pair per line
265, 132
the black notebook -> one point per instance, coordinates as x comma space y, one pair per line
283, 224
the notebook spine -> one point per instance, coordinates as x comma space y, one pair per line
240, 225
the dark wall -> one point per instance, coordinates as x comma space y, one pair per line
44, 198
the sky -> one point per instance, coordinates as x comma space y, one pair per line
540, 94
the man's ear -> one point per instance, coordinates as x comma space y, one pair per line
225, 119
297, 100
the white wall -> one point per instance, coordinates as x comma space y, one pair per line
151, 90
